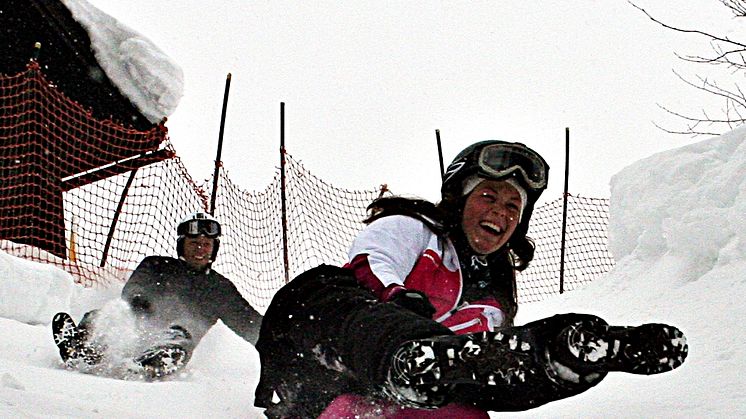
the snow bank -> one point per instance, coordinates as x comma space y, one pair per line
33, 292
688, 202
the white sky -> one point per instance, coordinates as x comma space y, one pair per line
680, 260
366, 83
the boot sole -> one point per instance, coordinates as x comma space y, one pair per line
485, 358
647, 349
162, 361
65, 333
71, 342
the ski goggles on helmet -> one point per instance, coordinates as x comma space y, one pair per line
503, 160
194, 228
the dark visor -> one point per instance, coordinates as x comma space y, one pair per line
193, 228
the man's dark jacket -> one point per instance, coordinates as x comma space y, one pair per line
166, 293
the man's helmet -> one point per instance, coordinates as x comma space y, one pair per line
196, 224
498, 160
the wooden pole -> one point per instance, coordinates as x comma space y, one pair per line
115, 219
216, 173
564, 211
283, 198
440, 153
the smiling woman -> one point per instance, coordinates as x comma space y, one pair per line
421, 317
491, 214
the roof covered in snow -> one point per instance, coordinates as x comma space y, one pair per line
95, 60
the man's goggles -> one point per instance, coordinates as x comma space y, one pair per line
503, 160
193, 228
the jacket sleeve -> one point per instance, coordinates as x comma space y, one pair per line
139, 290
384, 253
235, 311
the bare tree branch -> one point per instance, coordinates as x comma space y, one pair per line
713, 37
736, 6
729, 54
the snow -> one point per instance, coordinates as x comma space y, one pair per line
677, 229
152, 81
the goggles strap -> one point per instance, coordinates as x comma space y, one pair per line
522, 192
470, 183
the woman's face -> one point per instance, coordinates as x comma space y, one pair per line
491, 215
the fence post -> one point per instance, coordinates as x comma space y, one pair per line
285, 258
440, 153
216, 174
115, 219
564, 211
36, 51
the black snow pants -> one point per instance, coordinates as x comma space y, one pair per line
324, 335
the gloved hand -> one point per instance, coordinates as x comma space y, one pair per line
415, 301
139, 304
160, 361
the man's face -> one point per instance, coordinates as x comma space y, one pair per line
197, 251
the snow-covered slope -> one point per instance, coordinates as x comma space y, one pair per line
678, 232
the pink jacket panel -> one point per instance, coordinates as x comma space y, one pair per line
397, 252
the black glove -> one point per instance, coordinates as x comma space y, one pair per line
161, 361
139, 304
415, 301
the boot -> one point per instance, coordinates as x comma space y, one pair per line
72, 342
548, 359
591, 345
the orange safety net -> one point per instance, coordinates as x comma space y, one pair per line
321, 221
72, 186
586, 253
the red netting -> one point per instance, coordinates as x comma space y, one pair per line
68, 176
586, 253
321, 222
94, 198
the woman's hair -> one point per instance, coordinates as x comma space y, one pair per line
444, 219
